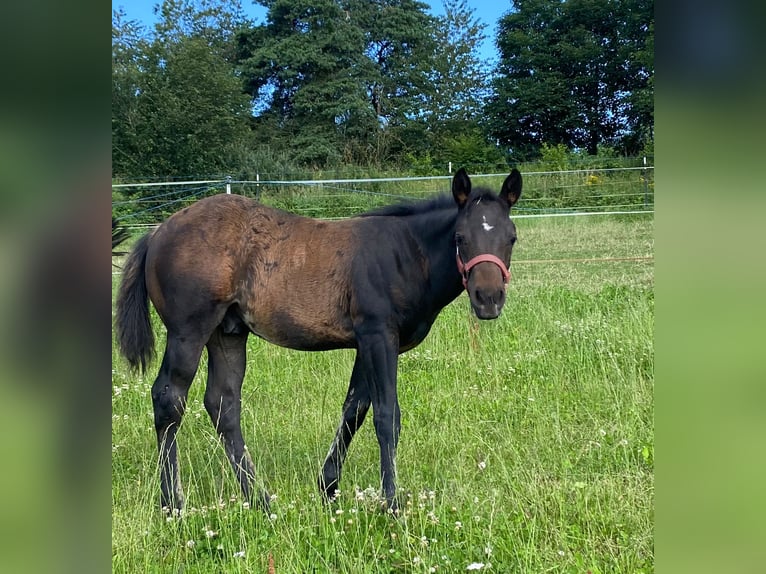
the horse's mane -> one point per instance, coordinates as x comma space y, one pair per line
440, 202
410, 208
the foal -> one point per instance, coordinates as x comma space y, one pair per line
227, 266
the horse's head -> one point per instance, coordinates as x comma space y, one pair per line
484, 237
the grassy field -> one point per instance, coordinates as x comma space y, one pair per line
526, 445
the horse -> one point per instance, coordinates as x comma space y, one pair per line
227, 266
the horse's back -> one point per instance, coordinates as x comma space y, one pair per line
287, 276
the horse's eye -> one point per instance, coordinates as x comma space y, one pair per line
459, 239
513, 240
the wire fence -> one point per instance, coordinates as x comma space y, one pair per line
591, 191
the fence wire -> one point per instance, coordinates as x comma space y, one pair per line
592, 191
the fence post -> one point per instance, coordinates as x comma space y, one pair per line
228, 184
258, 186
646, 185
449, 168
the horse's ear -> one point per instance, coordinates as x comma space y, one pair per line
511, 190
461, 187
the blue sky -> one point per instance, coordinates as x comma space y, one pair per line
488, 11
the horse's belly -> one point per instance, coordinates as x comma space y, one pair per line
301, 331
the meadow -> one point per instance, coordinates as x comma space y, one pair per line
526, 444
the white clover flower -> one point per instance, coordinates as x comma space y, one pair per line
190, 543
475, 566
240, 554
482, 465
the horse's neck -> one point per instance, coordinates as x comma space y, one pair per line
437, 240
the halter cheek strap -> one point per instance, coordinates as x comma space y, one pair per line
465, 268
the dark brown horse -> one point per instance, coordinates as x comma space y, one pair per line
228, 266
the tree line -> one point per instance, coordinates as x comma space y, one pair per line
376, 84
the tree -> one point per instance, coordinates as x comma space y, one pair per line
178, 106
302, 69
459, 78
570, 72
329, 77
452, 129
128, 65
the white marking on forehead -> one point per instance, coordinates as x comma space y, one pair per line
485, 225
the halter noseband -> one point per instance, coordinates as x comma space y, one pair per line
465, 268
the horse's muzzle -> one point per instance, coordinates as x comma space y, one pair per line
487, 303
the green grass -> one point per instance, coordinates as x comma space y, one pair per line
527, 442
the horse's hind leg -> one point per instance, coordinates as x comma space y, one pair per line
226, 369
355, 409
169, 391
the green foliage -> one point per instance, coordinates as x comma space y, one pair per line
471, 150
354, 84
422, 165
336, 75
555, 157
577, 72
178, 110
459, 78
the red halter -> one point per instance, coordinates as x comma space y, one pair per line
464, 269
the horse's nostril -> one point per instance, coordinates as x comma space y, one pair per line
494, 297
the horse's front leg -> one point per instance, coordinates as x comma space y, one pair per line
355, 409
378, 354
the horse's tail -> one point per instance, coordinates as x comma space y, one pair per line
135, 337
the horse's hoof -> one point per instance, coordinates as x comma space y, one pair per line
328, 490
392, 507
